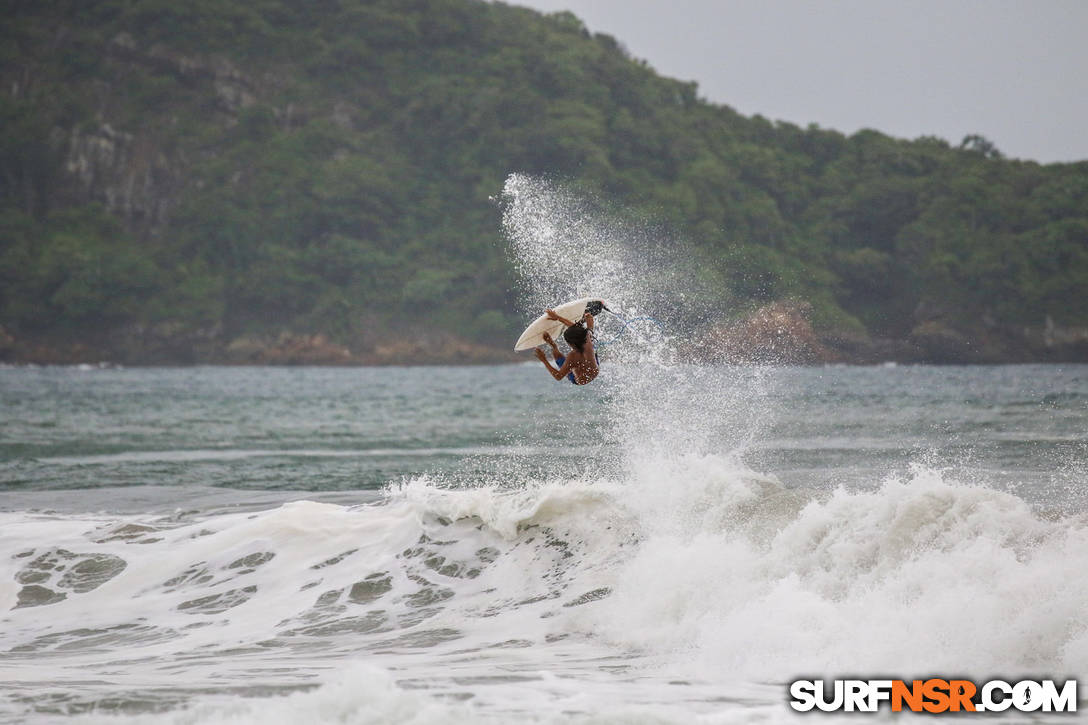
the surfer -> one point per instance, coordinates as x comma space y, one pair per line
580, 366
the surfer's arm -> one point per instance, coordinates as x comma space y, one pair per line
553, 316
555, 348
557, 374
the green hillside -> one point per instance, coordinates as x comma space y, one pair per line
193, 174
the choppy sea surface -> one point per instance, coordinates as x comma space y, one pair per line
438, 544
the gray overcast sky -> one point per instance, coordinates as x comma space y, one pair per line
1013, 71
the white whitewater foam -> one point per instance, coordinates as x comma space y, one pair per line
923, 575
721, 579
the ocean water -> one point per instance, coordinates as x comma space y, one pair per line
487, 545
670, 544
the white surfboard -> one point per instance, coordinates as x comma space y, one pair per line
534, 333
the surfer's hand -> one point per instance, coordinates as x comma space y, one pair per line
548, 338
551, 314
540, 355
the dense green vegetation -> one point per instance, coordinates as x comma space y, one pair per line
287, 164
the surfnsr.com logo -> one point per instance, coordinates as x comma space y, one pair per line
933, 695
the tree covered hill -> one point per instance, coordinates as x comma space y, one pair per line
177, 179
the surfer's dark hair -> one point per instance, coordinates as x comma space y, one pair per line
576, 335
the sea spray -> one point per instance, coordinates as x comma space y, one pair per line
565, 244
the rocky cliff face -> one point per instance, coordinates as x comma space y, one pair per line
126, 166
126, 173
777, 333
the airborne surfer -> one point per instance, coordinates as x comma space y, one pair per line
580, 365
